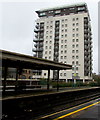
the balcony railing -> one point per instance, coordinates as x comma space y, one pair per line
36, 30
37, 50
38, 45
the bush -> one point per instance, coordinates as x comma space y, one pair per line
92, 84
43, 81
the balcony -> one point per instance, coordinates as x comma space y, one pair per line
37, 50
56, 37
35, 55
36, 30
86, 31
41, 39
85, 21
86, 42
86, 47
56, 27
38, 45
37, 26
86, 36
35, 40
85, 26
86, 53
56, 32
36, 35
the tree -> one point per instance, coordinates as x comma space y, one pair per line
96, 78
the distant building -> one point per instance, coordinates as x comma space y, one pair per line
63, 34
22, 74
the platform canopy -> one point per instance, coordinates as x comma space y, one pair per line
15, 60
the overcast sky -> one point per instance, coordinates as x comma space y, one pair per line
17, 20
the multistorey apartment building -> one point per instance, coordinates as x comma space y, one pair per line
63, 34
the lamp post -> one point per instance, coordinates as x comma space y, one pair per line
75, 74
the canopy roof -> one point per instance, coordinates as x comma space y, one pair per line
12, 59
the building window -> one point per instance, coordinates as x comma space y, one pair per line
50, 42
76, 45
73, 46
73, 29
47, 27
65, 25
65, 30
73, 35
76, 24
65, 62
45, 57
50, 32
64, 74
65, 35
73, 62
77, 18
76, 74
76, 68
50, 47
65, 19
62, 36
62, 20
46, 42
76, 40
73, 19
65, 46
61, 46
51, 27
46, 47
62, 31
61, 41
60, 74
73, 51
76, 35
77, 57
50, 37
45, 52
65, 41
72, 74
73, 24
49, 52
65, 51
73, 40
61, 57
73, 57
76, 62
76, 51
62, 26
76, 29
49, 57
65, 57
61, 52
44, 74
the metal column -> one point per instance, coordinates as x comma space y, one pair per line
48, 80
5, 77
57, 80
16, 84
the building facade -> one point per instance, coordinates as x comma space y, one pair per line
63, 34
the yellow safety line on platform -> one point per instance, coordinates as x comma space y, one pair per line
62, 111
63, 116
